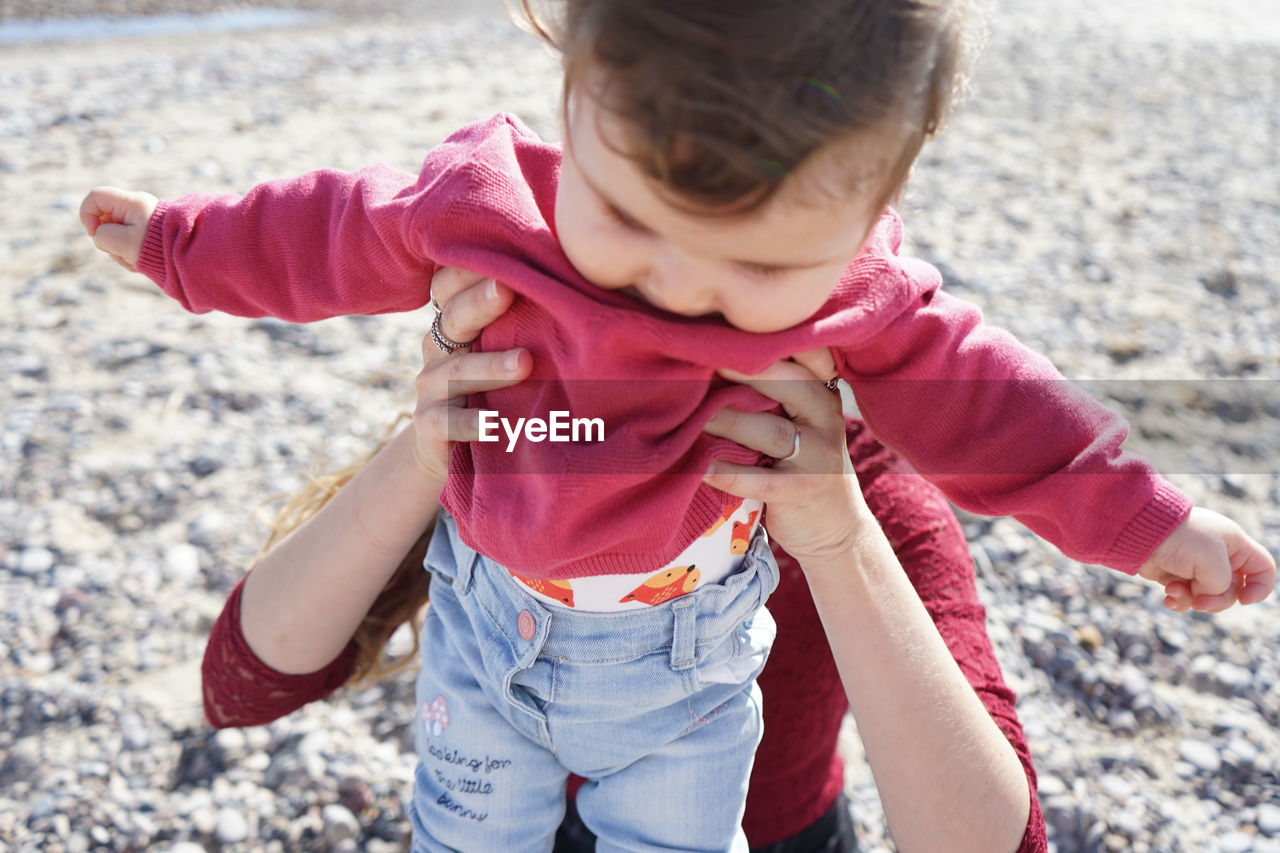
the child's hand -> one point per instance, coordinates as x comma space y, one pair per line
1209, 563
117, 221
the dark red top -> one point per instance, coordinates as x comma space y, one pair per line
798, 771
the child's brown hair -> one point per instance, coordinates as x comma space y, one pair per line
723, 99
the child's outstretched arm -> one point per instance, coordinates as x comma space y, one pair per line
1209, 563
318, 245
117, 221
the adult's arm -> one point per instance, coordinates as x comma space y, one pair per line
798, 772
933, 553
947, 776
301, 604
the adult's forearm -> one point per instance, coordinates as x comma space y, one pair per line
947, 776
307, 595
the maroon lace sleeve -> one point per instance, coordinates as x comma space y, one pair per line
798, 772
241, 690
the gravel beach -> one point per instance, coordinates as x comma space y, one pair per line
1110, 193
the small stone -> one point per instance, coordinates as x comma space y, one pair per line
204, 819
339, 824
1174, 638
182, 563
43, 807
1048, 786
1222, 282
134, 732
1203, 756
231, 828
1115, 842
1240, 754
1233, 678
1115, 787
1233, 486
1063, 814
1236, 842
229, 742
1122, 722
355, 794
1268, 819
35, 561
1089, 636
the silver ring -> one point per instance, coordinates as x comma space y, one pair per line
795, 448
447, 345
833, 384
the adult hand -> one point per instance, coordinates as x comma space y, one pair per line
815, 508
468, 304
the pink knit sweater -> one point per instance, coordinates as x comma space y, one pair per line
989, 421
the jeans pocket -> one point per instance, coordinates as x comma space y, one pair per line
743, 653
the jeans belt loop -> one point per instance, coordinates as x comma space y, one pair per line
464, 558
684, 633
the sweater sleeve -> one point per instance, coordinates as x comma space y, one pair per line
241, 690
1001, 432
302, 249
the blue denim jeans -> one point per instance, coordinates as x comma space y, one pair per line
657, 708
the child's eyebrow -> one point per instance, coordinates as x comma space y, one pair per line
742, 262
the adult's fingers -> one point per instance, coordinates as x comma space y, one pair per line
819, 362
798, 389
465, 315
767, 433
448, 282
448, 378
445, 423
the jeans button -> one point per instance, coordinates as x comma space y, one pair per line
526, 625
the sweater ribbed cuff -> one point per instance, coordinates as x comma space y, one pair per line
1167, 509
151, 258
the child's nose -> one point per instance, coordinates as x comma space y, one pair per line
680, 286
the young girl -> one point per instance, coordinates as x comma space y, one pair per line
793, 803
720, 203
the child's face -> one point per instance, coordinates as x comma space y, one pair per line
763, 272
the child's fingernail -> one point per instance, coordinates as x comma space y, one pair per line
712, 470
511, 361
491, 290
